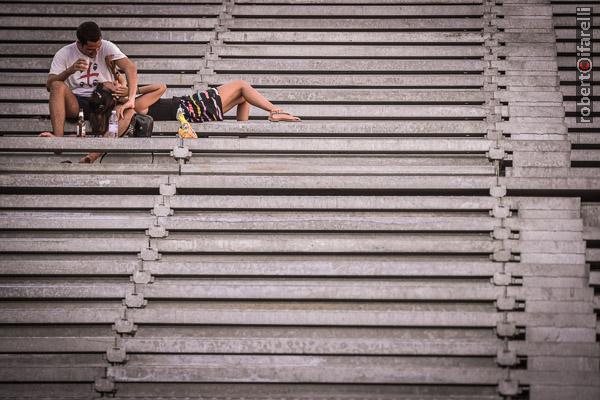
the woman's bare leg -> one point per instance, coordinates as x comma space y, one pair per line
240, 92
243, 111
231, 92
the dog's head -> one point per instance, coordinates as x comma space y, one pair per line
102, 103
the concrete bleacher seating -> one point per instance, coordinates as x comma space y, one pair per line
430, 230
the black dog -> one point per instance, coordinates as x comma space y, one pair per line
102, 103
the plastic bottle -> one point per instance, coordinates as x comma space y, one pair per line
80, 124
113, 125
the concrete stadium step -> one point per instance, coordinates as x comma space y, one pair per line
567, 77
380, 243
194, 265
51, 368
252, 221
371, 112
323, 23
362, 341
383, 314
119, 36
338, 95
293, 289
566, 20
111, 23
23, 94
84, 183
298, 368
358, 2
113, 163
187, 63
233, 390
347, 51
581, 172
258, 266
65, 265
322, 112
314, 128
216, 202
72, 312
228, 66
565, 62
412, 38
585, 155
472, 184
57, 338
50, 289
38, 79
253, 184
82, 9
76, 221
572, 124
94, 242
135, 51
404, 166
276, 145
571, 34
412, 81
304, 10
571, 107
454, 166
347, 221
149, 1
378, 95
256, 340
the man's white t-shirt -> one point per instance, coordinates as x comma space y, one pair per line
82, 83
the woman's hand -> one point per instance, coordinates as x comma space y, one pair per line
124, 107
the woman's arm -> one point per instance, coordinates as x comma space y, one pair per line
149, 95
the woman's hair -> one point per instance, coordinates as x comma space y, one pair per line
102, 103
88, 32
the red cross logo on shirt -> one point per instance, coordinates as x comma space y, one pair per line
89, 75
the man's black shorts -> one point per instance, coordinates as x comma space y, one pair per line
84, 103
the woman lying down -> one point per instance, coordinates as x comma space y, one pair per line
204, 105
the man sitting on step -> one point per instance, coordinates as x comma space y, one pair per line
76, 70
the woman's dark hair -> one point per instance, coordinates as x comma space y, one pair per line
88, 32
101, 105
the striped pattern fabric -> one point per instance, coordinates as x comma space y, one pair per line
202, 106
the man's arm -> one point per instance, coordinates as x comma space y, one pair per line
127, 66
79, 65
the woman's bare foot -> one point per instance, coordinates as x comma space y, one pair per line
47, 134
279, 115
90, 158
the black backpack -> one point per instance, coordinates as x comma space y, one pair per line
141, 126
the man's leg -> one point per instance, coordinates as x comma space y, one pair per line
63, 104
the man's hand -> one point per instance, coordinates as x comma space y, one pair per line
79, 65
121, 91
121, 109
